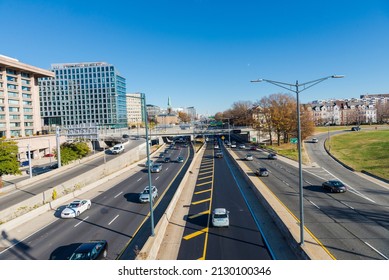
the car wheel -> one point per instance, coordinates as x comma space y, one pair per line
89, 206
105, 253
78, 213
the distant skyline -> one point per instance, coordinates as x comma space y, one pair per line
203, 53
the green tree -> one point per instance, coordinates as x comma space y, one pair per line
73, 151
9, 164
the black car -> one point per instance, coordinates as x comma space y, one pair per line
334, 186
272, 156
91, 250
355, 128
262, 171
167, 159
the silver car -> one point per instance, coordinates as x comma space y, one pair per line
144, 196
156, 168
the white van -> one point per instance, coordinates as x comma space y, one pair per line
117, 149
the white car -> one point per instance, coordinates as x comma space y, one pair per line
249, 157
220, 217
145, 195
315, 140
75, 208
242, 146
117, 149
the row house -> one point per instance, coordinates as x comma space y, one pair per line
344, 113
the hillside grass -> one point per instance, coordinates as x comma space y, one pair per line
363, 150
290, 151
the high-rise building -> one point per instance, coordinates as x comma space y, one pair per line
19, 98
84, 93
134, 109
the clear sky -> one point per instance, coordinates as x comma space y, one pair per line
204, 53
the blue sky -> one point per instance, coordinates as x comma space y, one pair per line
204, 53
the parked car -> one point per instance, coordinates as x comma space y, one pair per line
117, 149
23, 163
249, 157
180, 159
39, 170
355, 128
314, 140
49, 155
145, 195
125, 136
233, 145
156, 168
253, 148
334, 186
220, 217
272, 156
242, 146
91, 250
76, 208
161, 155
262, 172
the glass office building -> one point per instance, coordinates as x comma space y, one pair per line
83, 93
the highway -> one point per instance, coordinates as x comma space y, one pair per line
218, 186
351, 225
116, 215
47, 179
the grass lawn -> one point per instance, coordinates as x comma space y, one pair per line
363, 150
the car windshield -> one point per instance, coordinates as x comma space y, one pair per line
73, 205
219, 216
337, 184
81, 256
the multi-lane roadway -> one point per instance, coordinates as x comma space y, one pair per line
116, 215
351, 225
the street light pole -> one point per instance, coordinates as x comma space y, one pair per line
296, 89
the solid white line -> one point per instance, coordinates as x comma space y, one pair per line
378, 252
113, 220
117, 195
81, 221
156, 178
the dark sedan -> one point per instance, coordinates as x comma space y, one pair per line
334, 186
92, 250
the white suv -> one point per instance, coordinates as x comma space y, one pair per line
117, 149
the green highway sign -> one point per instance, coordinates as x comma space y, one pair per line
293, 140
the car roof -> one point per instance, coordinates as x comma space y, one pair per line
87, 246
220, 211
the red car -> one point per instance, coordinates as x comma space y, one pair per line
49, 155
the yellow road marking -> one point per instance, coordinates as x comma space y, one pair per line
206, 177
206, 212
199, 192
201, 201
207, 172
202, 184
196, 233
